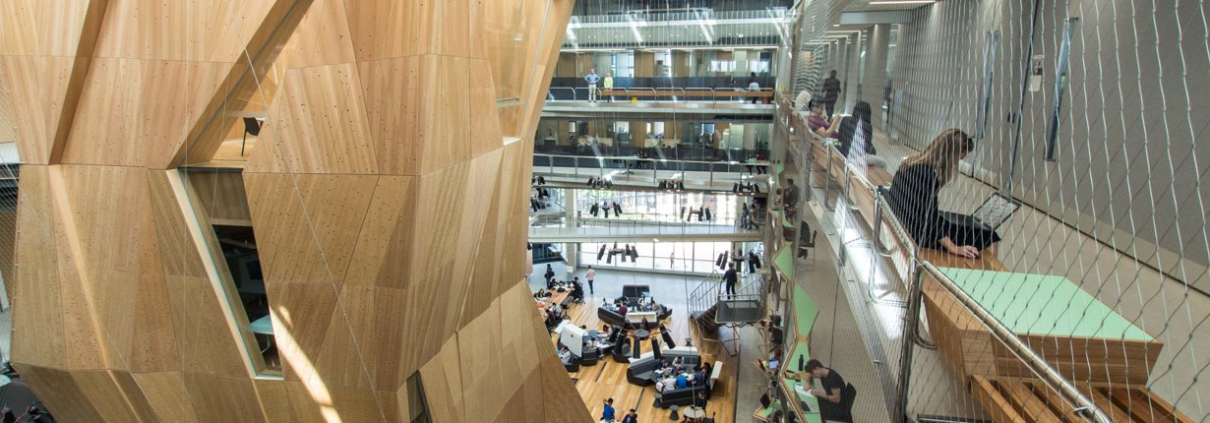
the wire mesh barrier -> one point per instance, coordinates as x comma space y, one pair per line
1020, 212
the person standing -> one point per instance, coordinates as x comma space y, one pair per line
671, 260
745, 219
590, 275
730, 277
608, 84
753, 86
592, 79
831, 92
608, 414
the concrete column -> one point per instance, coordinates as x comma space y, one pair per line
569, 203
874, 83
851, 75
571, 253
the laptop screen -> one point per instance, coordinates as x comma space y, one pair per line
996, 210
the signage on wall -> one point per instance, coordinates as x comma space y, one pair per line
1035, 74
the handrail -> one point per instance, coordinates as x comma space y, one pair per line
1038, 365
653, 160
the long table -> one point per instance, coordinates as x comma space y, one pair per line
557, 298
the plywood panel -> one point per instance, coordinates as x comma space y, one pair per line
115, 246
41, 28
60, 392
197, 316
307, 225
322, 38
274, 398
38, 87
345, 358
120, 122
322, 122
419, 121
221, 194
385, 29
221, 399
317, 402
479, 348
201, 31
165, 392
442, 382
37, 307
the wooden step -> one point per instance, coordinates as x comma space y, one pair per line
1027, 400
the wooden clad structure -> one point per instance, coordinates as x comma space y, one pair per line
385, 193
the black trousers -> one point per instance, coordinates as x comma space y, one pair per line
730, 288
830, 106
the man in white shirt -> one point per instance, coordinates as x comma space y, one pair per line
590, 275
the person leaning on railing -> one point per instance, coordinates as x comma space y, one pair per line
913, 197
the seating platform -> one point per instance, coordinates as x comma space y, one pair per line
1024, 400
1059, 320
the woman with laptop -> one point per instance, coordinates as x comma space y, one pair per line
913, 199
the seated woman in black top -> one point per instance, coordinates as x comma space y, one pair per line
913, 197
855, 126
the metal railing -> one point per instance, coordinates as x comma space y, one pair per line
913, 283
735, 95
602, 170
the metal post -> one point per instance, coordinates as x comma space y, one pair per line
878, 225
911, 319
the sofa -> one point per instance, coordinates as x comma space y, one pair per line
680, 397
611, 317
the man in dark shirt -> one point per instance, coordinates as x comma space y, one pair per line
730, 278
831, 92
831, 405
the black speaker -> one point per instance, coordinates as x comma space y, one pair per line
666, 337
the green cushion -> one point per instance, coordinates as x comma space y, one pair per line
1044, 305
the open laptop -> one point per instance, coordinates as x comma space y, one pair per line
994, 211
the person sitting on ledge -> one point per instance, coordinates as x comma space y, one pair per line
913, 197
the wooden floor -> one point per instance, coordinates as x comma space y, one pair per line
608, 378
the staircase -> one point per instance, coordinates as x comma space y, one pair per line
703, 303
710, 307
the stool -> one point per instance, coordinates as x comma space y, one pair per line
675, 416
658, 397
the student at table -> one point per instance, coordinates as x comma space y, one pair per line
831, 406
913, 197
820, 124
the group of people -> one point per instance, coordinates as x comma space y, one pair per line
592, 78
628, 252
605, 206
703, 214
595, 182
742, 187
748, 216
668, 184
609, 415
538, 200
753, 166
674, 375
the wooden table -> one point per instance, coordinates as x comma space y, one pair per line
557, 298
